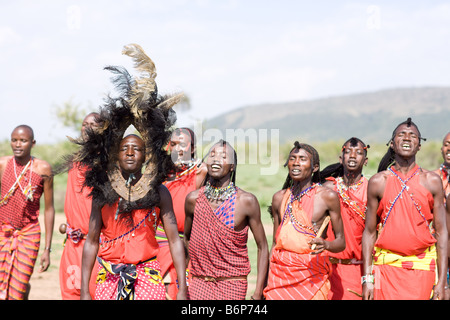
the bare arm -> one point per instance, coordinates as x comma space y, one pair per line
169, 222
332, 206
439, 224
254, 220
90, 249
3, 162
374, 193
276, 214
447, 290
189, 207
201, 174
49, 213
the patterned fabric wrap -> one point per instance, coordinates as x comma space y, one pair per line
18, 252
129, 282
216, 250
225, 212
295, 274
424, 261
201, 289
18, 211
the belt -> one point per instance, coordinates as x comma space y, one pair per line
345, 261
73, 234
212, 279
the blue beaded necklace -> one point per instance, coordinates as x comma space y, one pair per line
288, 212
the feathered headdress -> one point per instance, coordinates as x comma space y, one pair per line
140, 105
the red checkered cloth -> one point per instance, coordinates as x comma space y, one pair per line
200, 289
216, 251
143, 280
18, 211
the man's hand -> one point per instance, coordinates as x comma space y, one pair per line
45, 260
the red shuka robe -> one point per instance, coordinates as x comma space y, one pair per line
346, 277
77, 208
294, 273
179, 189
406, 218
130, 243
216, 250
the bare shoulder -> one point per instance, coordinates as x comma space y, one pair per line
163, 191
193, 195
327, 194
379, 177
328, 184
431, 176
4, 160
277, 198
279, 195
377, 184
246, 197
43, 168
431, 181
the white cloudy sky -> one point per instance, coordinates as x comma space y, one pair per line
223, 53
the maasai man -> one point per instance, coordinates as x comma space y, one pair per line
447, 288
347, 180
128, 196
298, 271
128, 249
24, 179
188, 176
444, 169
77, 209
400, 261
444, 173
218, 216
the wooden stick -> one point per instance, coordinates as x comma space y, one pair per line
350, 290
322, 228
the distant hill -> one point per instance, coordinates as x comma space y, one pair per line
371, 116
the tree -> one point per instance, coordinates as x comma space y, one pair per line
70, 114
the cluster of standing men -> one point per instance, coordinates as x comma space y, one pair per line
337, 235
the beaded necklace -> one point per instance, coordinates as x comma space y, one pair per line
308, 230
342, 190
445, 172
187, 169
219, 194
151, 215
13, 188
28, 190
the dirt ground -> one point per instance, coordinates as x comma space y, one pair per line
45, 285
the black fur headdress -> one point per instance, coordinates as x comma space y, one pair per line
140, 105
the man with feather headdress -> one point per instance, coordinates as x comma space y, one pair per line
128, 198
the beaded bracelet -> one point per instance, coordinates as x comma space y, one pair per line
368, 278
